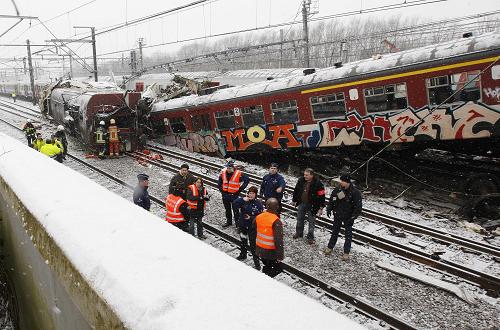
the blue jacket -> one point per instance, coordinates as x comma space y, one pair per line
248, 211
271, 182
141, 197
231, 197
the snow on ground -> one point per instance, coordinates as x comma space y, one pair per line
150, 273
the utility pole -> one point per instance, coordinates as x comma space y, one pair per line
281, 48
141, 43
30, 67
306, 5
70, 66
133, 61
94, 52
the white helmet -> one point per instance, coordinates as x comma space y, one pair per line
112, 121
60, 128
102, 123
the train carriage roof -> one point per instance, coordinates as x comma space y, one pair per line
442, 51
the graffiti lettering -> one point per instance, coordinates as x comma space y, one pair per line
195, 142
274, 136
492, 93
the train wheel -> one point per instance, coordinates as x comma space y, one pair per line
482, 184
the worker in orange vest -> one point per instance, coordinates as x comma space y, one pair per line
197, 200
269, 241
231, 182
114, 140
177, 210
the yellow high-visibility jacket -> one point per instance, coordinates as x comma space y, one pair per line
50, 150
38, 144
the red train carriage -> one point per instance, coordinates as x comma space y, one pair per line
361, 103
81, 110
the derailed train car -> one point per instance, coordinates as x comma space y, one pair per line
81, 106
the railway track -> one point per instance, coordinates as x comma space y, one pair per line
305, 280
20, 107
486, 281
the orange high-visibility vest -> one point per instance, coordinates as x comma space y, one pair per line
265, 233
233, 184
193, 205
173, 205
113, 133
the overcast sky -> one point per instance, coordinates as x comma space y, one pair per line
218, 16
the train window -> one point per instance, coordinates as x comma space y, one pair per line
440, 89
225, 119
201, 122
386, 98
285, 112
326, 106
495, 72
177, 125
253, 115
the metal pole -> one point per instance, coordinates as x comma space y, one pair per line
70, 66
305, 31
281, 48
140, 53
94, 52
30, 67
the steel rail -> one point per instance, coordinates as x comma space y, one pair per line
442, 237
486, 281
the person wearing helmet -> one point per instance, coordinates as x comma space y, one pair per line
114, 140
61, 136
100, 139
30, 132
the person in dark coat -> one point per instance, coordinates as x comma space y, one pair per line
231, 183
61, 136
273, 185
309, 198
269, 241
196, 198
181, 181
30, 132
141, 195
249, 207
345, 204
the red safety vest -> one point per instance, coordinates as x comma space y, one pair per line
233, 184
113, 133
265, 233
193, 205
173, 205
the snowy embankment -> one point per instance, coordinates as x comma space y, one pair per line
151, 275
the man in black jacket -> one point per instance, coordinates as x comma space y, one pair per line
141, 195
181, 181
346, 204
309, 198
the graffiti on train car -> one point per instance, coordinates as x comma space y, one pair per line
272, 136
492, 93
206, 142
464, 121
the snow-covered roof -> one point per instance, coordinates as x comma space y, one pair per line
151, 274
489, 41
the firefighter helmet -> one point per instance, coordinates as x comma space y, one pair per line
102, 123
60, 128
112, 121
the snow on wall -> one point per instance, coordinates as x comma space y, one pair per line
386, 61
151, 274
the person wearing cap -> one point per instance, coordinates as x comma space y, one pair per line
30, 132
345, 204
100, 139
61, 136
141, 195
231, 182
269, 241
113, 139
197, 198
249, 207
273, 185
309, 198
181, 181
39, 142
178, 213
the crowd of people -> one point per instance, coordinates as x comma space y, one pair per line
257, 214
